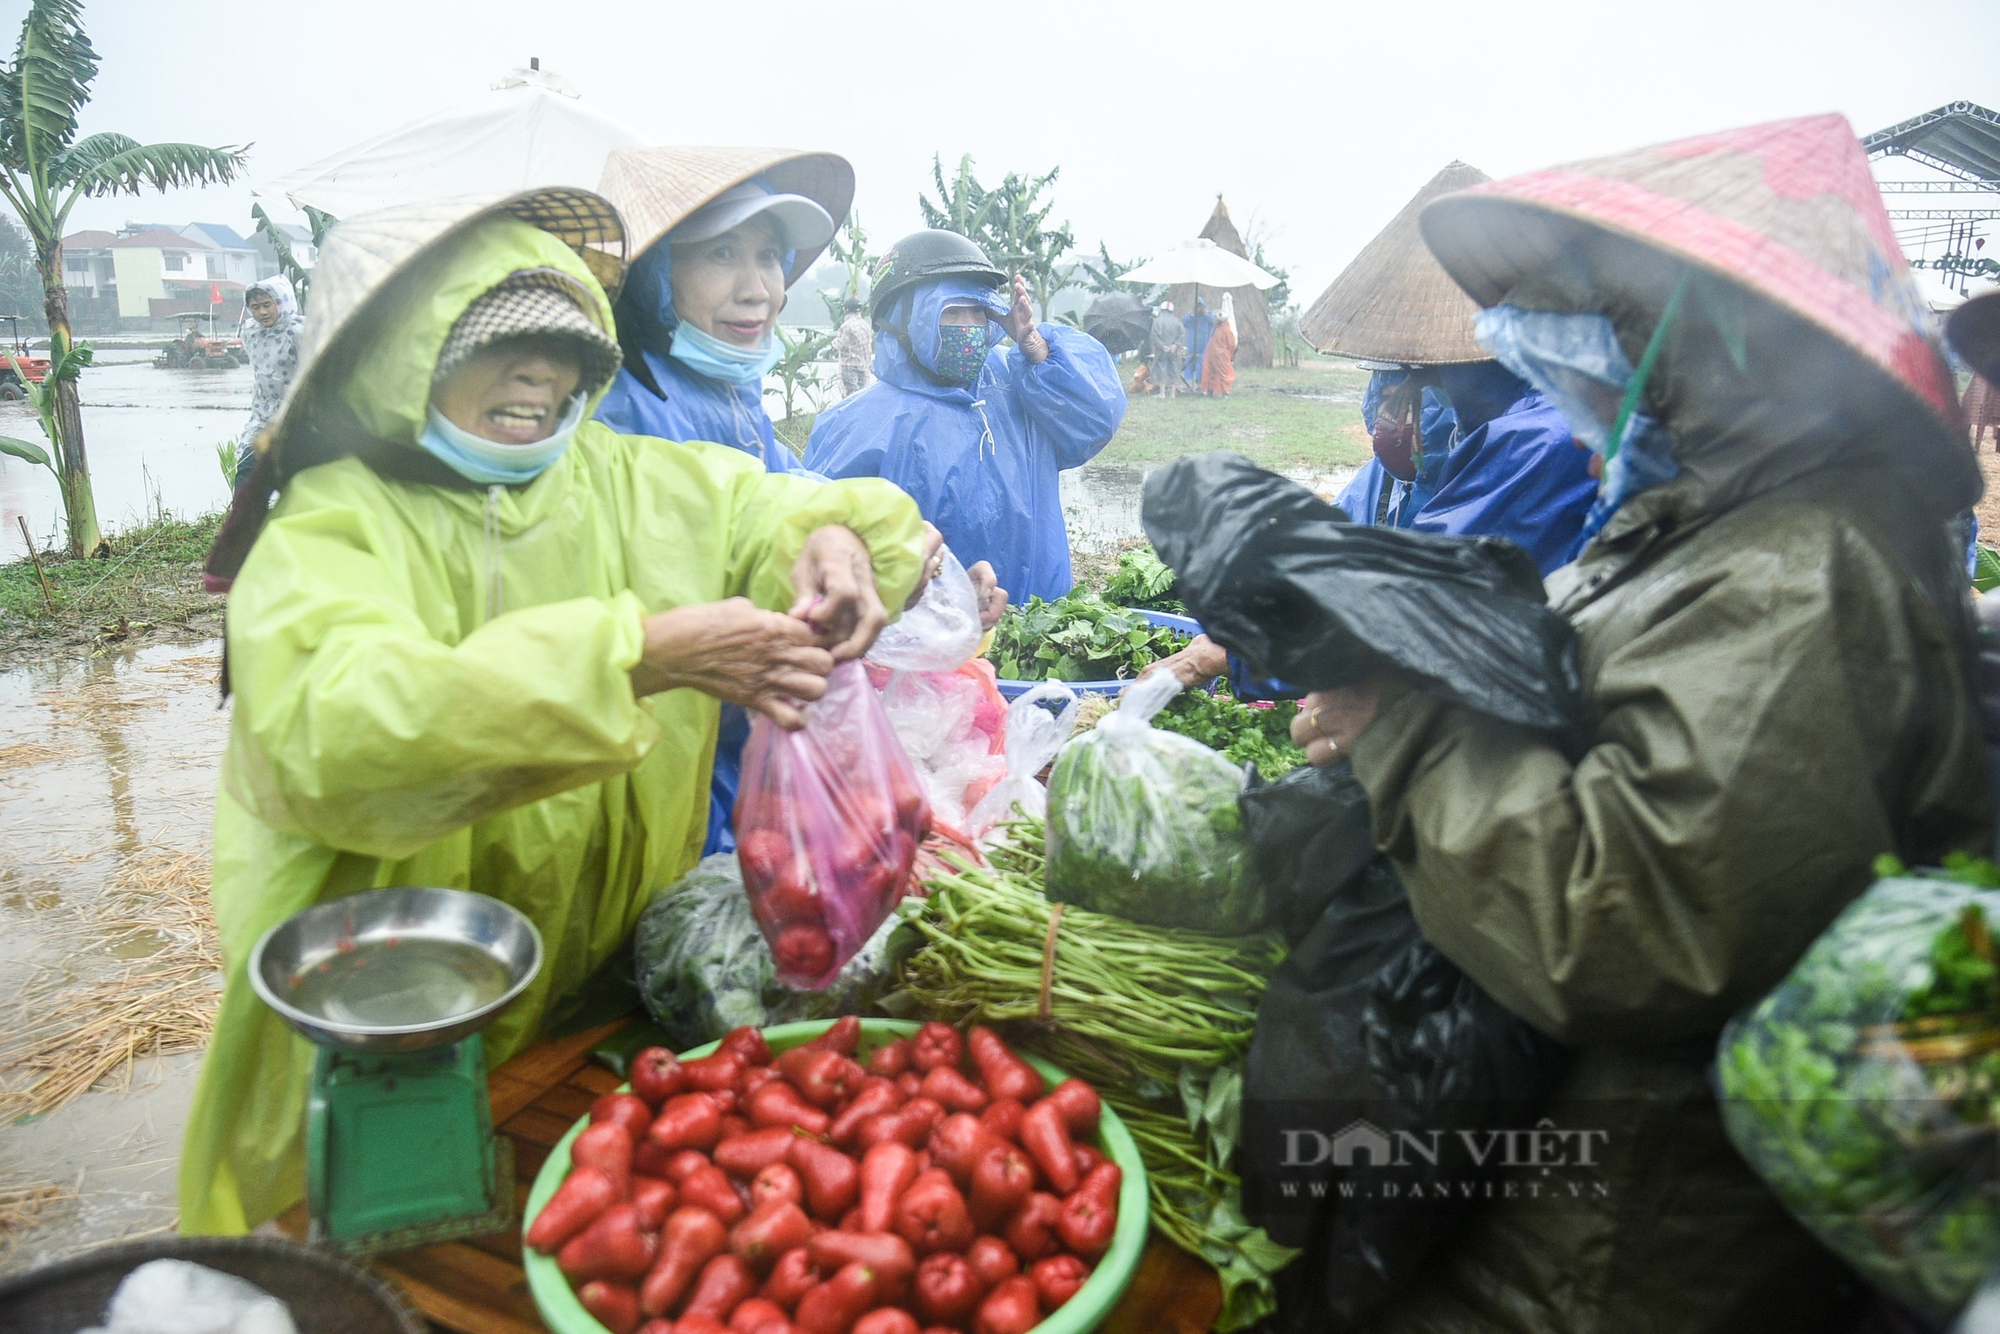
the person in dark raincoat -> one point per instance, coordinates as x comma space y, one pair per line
978, 434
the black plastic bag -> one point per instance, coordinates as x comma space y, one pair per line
1281, 577
1366, 1030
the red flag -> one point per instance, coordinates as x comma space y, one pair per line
214, 295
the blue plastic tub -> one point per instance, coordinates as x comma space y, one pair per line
1187, 625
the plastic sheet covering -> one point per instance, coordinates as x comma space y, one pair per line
703, 968
1143, 824
827, 823
1039, 723
1279, 576
1364, 1021
1865, 1089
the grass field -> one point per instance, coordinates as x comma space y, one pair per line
149, 582
1305, 417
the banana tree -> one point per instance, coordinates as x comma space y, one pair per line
44, 169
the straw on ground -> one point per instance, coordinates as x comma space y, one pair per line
65, 1035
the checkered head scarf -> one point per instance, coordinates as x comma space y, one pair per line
534, 303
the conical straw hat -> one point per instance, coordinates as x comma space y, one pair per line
1786, 212
1974, 330
363, 254
654, 189
1395, 302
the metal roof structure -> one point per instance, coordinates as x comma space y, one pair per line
1960, 140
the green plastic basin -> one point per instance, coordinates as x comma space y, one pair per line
564, 1314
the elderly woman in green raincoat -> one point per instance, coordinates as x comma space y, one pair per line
480, 641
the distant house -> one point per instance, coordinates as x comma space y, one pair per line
161, 273
92, 280
298, 239
234, 259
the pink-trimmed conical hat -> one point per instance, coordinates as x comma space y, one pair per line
1786, 213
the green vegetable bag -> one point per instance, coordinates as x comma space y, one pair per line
1865, 1089
1143, 824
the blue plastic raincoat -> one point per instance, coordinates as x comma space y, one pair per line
432, 689
689, 406
1198, 324
1510, 469
1373, 495
983, 463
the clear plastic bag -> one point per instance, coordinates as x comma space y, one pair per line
943, 702
953, 726
940, 632
1039, 723
828, 819
703, 968
1144, 824
1865, 1088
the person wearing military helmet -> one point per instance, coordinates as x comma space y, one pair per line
976, 432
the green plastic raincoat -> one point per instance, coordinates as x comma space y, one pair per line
431, 689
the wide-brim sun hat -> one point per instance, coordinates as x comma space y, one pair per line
1786, 219
1394, 303
355, 275
656, 190
1974, 331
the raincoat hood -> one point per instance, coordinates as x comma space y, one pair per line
909, 361
388, 392
279, 288
646, 315
1481, 391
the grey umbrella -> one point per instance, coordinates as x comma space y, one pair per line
1119, 321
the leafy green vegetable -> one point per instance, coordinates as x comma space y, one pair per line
1080, 637
1143, 580
1144, 824
1866, 1087
1244, 732
703, 967
1158, 1020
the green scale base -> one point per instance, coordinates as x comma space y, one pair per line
400, 1150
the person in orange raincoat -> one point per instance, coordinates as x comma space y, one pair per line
1218, 364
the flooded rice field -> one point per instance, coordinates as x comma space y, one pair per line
150, 434
1101, 501
107, 793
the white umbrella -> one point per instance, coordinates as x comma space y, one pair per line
1203, 263
532, 129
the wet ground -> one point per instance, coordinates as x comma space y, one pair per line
107, 782
150, 435
1101, 501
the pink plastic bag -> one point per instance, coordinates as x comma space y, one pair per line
827, 823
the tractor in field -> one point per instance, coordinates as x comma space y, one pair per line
195, 350
19, 363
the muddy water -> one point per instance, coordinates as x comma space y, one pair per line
107, 767
150, 435
1101, 502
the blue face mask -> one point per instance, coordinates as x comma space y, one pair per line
705, 354
961, 353
490, 463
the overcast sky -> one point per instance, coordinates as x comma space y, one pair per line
1317, 119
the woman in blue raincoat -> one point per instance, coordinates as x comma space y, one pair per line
976, 433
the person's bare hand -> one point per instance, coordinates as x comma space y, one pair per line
834, 578
1328, 721
1199, 663
737, 652
933, 563
992, 597
1019, 320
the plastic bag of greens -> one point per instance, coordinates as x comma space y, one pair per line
828, 819
1143, 823
1865, 1089
1038, 723
703, 968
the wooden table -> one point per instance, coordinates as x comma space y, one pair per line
478, 1286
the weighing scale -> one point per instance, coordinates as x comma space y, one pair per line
393, 986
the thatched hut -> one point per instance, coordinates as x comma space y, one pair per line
1254, 343
1395, 302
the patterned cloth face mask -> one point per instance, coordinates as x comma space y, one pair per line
961, 352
